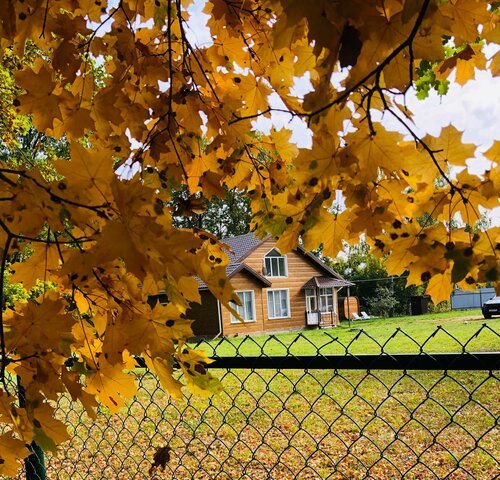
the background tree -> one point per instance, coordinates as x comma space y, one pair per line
383, 302
161, 114
224, 217
358, 264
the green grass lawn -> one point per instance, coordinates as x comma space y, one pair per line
440, 332
309, 424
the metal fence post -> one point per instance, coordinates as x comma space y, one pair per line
34, 463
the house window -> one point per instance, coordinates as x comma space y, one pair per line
247, 308
278, 303
275, 264
311, 300
326, 299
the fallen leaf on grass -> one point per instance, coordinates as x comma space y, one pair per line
160, 459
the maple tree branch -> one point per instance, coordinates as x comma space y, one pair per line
22, 359
368, 111
26, 238
181, 21
8, 181
87, 341
238, 118
47, 245
75, 241
125, 14
184, 172
54, 196
42, 33
76, 288
95, 208
170, 63
430, 152
256, 165
411, 61
4, 360
106, 287
94, 32
202, 70
377, 71
153, 133
189, 51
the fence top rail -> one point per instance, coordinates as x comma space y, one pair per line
404, 345
422, 361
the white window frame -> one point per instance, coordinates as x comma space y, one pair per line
271, 291
269, 270
241, 308
322, 296
312, 296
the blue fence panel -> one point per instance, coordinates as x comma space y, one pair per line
463, 300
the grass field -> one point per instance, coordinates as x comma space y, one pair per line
441, 332
313, 424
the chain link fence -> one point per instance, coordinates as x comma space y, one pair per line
308, 408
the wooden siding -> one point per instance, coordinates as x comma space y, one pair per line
244, 281
300, 270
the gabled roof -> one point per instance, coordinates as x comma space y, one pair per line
324, 282
234, 268
243, 245
318, 262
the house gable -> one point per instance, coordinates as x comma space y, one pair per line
243, 247
299, 264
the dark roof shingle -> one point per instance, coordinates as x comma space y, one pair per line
324, 282
235, 268
241, 246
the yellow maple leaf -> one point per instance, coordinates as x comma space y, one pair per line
467, 15
12, 451
329, 229
164, 369
493, 153
464, 63
48, 431
37, 267
282, 144
39, 327
440, 287
253, 93
369, 153
111, 385
495, 63
155, 330
87, 169
39, 99
449, 149
193, 364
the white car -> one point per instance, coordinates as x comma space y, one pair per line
491, 307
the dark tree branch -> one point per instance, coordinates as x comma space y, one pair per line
4, 361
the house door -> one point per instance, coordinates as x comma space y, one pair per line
312, 313
311, 304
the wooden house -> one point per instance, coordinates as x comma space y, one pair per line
278, 292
